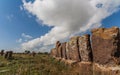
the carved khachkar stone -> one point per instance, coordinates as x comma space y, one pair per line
85, 48
74, 49
105, 45
53, 52
57, 46
64, 50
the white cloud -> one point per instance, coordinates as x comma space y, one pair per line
19, 40
21, 7
68, 18
26, 36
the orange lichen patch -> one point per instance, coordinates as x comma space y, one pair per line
105, 70
106, 33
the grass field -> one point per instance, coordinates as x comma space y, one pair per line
43, 64
24, 64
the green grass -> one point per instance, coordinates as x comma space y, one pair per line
23, 64
43, 64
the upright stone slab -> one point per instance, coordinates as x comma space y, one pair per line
53, 52
60, 51
67, 50
2, 52
57, 46
74, 49
64, 50
85, 48
105, 45
8, 54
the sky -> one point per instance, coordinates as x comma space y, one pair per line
38, 24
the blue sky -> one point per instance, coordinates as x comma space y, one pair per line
14, 22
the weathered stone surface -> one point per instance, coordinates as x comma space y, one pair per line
102, 70
53, 52
60, 51
83, 68
64, 50
57, 46
85, 48
67, 50
74, 49
105, 44
8, 54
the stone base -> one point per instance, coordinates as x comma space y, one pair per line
104, 70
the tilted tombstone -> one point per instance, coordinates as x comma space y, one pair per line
105, 45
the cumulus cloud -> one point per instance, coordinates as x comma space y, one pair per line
19, 40
68, 18
26, 36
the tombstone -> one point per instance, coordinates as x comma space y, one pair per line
2, 52
57, 46
67, 50
85, 48
60, 51
64, 50
106, 45
8, 54
74, 53
53, 52
33, 54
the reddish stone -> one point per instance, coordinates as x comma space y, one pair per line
64, 50
85, 48
60, 51
105, 45
57, 46
74, 49
67, 50
53, 52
